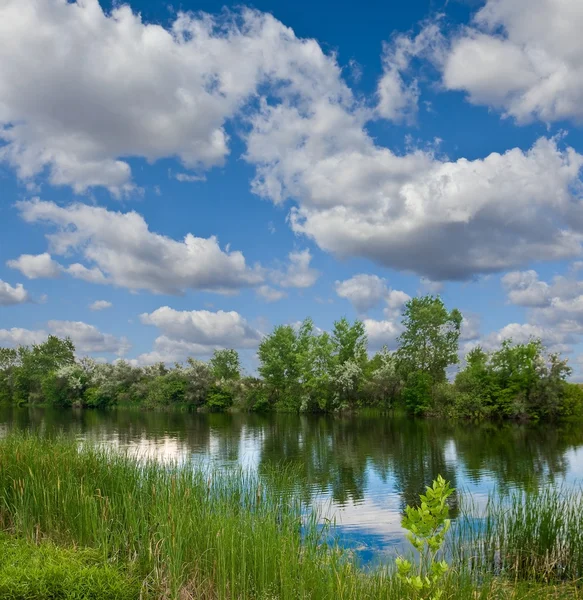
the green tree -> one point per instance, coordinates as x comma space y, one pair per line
417, 392
225, 364
350, 341
429, 342
278, 364
383, 383
8, 362
38, 362
315, 363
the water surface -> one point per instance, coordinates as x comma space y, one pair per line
361, 470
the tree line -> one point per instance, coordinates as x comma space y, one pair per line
303, 369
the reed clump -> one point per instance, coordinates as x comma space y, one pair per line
532, 535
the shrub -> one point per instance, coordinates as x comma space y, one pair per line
426, 527
571, 406
219, 398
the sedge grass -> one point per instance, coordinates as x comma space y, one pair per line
534, 535
185, 532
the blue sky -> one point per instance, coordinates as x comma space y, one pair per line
175, 179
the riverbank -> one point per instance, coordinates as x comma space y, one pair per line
132, 527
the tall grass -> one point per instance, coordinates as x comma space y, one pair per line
535, 535
183, 532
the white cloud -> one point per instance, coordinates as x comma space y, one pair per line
10, 295
363, 291
16, 336
429, 286
196, 333
470, 329
398, 98
126, 253
396, 299
523, 57
525, 289
270, 294
382, 333
100, 305
87, 338
36, 266
298, 273
189, 178
557, 305
92, 275
522, 333
115, 87
440, 219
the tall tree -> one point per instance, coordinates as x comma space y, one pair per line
225, 364
278, 358
429, 342
350, 341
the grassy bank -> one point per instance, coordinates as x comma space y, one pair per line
152, 531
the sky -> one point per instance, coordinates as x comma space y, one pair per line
177, 178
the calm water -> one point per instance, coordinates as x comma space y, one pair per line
360, 470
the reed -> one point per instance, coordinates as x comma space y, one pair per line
186, 532
530, 535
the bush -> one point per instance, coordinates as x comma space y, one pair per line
255, 396
219, 399
571, 406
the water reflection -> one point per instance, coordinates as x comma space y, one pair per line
364, 470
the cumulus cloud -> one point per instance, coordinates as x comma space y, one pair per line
298, 273
122, 250
363, 291
196, 333
530, 68
397, 91
438, 218
16, 336
382, 333
554, 315
100, 305
36, 266
557, 305
522, 333
87, 338
10, 295
525, 289
115, 87
270, 294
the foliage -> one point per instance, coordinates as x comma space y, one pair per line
426, 527
417, 393
516, 381
225, 364
304, 369
382, 380
429, 342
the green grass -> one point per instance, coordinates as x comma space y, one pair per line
535, 535
45, 572
170, 531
